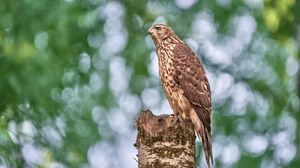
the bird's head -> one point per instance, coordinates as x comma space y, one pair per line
159, 32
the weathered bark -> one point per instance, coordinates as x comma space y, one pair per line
165, 142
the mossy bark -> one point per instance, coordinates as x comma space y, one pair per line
165, 142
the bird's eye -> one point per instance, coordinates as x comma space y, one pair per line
158, 28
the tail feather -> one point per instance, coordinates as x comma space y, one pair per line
205, 136
203, 133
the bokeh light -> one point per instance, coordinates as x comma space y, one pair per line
76, 74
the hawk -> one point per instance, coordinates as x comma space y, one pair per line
184, 83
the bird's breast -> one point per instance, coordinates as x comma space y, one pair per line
167, 72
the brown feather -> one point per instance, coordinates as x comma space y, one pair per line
194, 83
184, 83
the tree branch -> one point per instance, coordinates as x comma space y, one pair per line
165, 141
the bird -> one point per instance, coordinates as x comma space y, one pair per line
184, 83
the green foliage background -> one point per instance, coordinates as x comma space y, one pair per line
75, 74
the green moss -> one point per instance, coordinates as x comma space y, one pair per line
180, 133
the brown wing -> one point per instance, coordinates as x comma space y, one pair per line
193, 81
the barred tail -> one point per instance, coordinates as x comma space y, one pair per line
205, 136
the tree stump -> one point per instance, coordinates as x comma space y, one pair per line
165, 141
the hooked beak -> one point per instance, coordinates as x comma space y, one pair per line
150, 31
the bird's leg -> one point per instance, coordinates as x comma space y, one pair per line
176, 114
181, 117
